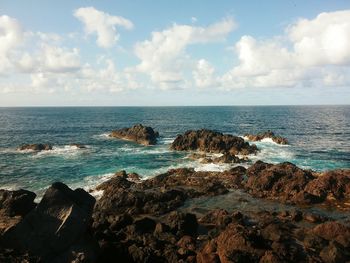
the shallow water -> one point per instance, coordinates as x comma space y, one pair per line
319, 138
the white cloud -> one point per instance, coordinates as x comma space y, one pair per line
203, 74
313, 52
11, 35
102, 24
163, 57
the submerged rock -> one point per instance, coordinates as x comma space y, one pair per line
213, 142
36, 147
264, 135
138, 133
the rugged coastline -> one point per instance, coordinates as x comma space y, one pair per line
153, 220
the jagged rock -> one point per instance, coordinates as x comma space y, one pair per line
138, 133
36, 147
268, 134
213, 142
56, 230
285, 182
13, 203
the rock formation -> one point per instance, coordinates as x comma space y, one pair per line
264, 135
138, 133
36, 147
212, 142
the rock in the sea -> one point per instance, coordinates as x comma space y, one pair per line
56, 230
36, 147
138, 133
211, 141
264, 135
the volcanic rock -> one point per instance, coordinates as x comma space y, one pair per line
264, 135
138, 133
36, 147
213, 142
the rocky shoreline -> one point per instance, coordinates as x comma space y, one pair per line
153, 220
142, 220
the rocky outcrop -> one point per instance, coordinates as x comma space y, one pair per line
36, 147
213, 142
138, 133
290, 184
265, 135
56, 230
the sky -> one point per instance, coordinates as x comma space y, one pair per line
168, 53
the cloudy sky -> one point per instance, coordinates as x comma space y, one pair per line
155, 52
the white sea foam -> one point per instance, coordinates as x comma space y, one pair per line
102, 136
66, 151
166, 140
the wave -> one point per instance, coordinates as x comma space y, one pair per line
102, 136
66, 150
166, 140
265, 141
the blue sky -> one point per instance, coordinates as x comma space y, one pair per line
72, 53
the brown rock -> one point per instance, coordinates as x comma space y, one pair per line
268, 134
211, 141
138, 133
36, 147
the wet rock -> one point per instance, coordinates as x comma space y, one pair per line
334, 253
36, 147
228, 158
138, 133
213, 142
264, 135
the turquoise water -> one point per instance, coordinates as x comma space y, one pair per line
319, 137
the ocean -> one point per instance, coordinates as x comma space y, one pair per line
319, 139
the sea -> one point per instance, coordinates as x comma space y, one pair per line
319, 139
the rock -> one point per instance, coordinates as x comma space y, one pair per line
36, 147
182, 223
213, 142
57, 227
333, 231
228, 158
331, 185
334, 253
13, 203
285, 182
264, 135
138, 133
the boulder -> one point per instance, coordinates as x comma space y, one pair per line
213, 142
138, 133
56, 229
36, 147
13, 203
265, 135
78, 145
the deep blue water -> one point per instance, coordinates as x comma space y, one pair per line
319, 138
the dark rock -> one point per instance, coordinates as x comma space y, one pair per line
182, 223
57, 226
211, 141
138, 133
18, 202
264, 135
36, 147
